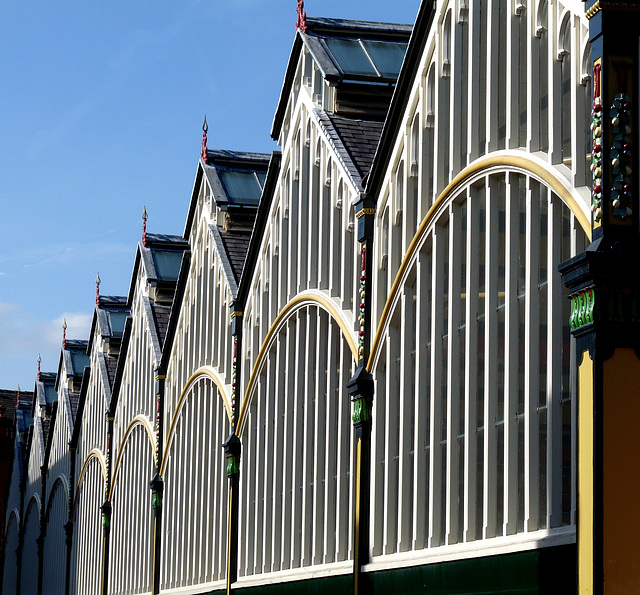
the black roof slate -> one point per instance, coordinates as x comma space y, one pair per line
161, 315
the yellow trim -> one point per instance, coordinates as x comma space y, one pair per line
356, 557
494, 163
203, 372
585, 476
363, 212
229, 540
306, 298
161, 377
237, 313
138, 420
95, 453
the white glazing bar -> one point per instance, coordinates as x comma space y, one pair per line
299, 437
532, 350
435, 462
289, 455
421, 403
513, 61
555, 87
511, 355
276, 448
331, 441
471, 372
291, 269
458, 83
490, 504
303, 217
405, 419
260, 484
269, 397
319, 435
474, 111
308, 515
492, 73
453, 379
378, 463
391, 440
343, 437
554, 364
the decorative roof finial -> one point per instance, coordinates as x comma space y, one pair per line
98, 289
39, 360
144, 225
205, 129
301, 23
18, 399
64, 334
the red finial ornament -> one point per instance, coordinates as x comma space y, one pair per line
144, 226
98, 289
301, 23
64, 334
18, 399
205, 129
39, 360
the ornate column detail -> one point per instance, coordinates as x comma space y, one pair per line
596, 154
236, 332
360, 389
232, 451
604, 286
106, 510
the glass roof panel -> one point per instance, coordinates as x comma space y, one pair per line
117, 320
50, 394
242, 187
80, 361
167, 263
387, 56
350, 56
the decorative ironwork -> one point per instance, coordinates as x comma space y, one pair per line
64, 333
144, 225
98, 290
205, 129
39, 360
361, 315
620, 156
106, 515
301, 23
596, 154
234, 366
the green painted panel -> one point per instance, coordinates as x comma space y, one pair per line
548, 570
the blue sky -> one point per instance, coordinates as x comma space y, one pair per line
101, 109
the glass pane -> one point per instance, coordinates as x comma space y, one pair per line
117, 320
386, 56
167, 264
350, 56
242, 187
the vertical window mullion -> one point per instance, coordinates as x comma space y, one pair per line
532, 350
511, 354
453, 378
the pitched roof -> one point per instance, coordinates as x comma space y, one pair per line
232, 247
354, 141
161, 316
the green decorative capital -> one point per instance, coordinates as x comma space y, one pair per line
361, 410
232, 466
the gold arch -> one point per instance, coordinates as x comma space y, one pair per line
203, 372
62, 478
95, 453
138, 420
489, 164
306, 298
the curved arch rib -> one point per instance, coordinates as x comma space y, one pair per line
499, 162
139, 420
203, 372
306, 298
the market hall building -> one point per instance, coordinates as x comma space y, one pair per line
395, 355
